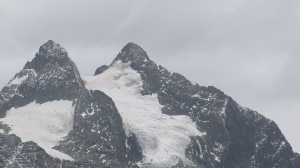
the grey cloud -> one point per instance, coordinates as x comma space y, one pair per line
249, 49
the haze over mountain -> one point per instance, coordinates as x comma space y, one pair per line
131, 113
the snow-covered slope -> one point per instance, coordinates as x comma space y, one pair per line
45, 124
163, 138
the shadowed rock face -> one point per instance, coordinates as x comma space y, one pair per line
97, 138
101, 69
236, 136
98, 133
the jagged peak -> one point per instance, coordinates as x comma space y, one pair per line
51, 48
49, 53
131, 46
131, 52
51, 75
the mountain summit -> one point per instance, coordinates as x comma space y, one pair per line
50, 76
52, 55
131, 52
52, 49
130, 114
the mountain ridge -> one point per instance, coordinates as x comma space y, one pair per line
231, 135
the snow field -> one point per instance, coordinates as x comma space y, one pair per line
45, 124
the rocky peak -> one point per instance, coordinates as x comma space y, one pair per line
131, 52
50, 48
51, 75
52, 63
49, 54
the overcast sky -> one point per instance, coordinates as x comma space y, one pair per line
247, 48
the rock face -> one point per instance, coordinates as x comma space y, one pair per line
15, 153
101, 69
98, 137
232, 136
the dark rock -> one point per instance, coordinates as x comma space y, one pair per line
98, 136
15, 154
134, 150
101, 69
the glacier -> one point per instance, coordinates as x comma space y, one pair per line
163, 138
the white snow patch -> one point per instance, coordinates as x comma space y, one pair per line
224, 107
163, 138
216, 157
17, 80
45, 124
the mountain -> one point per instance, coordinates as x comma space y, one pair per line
49, 118
132, 113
